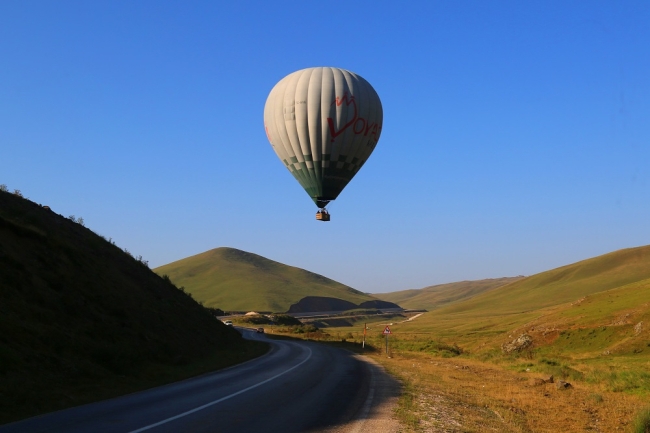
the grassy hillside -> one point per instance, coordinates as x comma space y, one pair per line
502, 310
561, 285
81, 319
436, 296
615, 322
232, 279
598, 292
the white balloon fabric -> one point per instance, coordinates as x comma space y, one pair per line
323, 124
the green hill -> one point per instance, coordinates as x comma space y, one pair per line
436, 296
561, 285
81, 319
615, 321
236, 280
590, 293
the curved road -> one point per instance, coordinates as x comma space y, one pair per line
296, 387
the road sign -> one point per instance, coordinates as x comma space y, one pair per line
387, 333
365, 327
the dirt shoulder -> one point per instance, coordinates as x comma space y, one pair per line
378, 414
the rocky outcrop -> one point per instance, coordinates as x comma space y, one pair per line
518, 344
638, 328
548, 379
537, 382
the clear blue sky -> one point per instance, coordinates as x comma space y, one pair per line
516, 134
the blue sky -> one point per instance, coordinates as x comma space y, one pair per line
516, 135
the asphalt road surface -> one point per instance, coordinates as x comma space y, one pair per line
296, 387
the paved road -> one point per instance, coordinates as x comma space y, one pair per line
296, 387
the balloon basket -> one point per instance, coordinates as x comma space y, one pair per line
322, 215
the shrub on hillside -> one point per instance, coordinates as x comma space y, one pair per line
256, 320
301, 329
215, 311
561, 370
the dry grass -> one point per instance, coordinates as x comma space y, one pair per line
463, 395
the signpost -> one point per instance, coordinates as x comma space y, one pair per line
387, 333
363, 345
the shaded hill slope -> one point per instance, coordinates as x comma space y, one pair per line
432, 297
237, 280
320, 303
311, 304
80, 319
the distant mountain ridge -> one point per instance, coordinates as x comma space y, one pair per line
563, 284
236, 280
510, 295
432, 297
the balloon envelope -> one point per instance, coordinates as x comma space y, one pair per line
323, 124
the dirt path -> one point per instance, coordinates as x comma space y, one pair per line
412, 318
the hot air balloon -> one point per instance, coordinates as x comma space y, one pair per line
323, 124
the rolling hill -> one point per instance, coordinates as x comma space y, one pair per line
557, 307
436, 296
565, 284
81, 319
236, 280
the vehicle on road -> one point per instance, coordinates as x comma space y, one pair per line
228, 322
260, 330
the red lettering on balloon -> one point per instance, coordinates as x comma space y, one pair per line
359, 124
349, 100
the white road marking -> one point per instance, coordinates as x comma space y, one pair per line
212, 403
